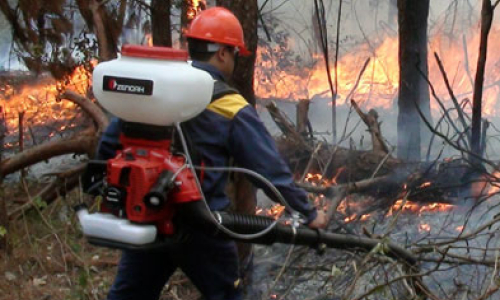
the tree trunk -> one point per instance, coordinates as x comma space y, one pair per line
247, 12
413, 89
302, 122
486, 19
160, 20
4, 220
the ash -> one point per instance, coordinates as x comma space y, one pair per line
456, 247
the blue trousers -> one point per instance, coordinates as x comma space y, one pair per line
211, 264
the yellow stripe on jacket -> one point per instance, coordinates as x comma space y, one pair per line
228, 106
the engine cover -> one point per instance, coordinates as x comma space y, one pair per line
145, 182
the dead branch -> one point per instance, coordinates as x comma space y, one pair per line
371, 121
89, 107
83, 142
358, 79
286, 126
466, 60
319, 8
443, 108
452, 95
302, 124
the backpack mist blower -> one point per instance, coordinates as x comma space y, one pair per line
152, 181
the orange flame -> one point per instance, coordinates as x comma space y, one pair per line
194, 8
378, 86
418, 208
424, 227
40, 102
275, 211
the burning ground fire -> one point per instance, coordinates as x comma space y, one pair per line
349, 209
40, 103
346, 206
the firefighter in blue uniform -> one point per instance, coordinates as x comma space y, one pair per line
228, 128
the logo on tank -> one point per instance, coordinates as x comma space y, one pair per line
127, 85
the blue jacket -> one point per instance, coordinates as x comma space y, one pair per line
229, 128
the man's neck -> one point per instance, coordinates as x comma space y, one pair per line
210, 68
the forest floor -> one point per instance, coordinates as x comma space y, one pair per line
50, 259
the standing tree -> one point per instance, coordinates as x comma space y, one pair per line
247, 12
160, 20
487, 10
413, 89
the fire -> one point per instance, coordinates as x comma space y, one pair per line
317, 179
436, 207
339, 171
275, 211
350, 218
149, 39
194, 7
365, 217
277, 76
418, 208
424, 227
425, 184
41, 103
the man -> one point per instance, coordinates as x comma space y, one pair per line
229, 128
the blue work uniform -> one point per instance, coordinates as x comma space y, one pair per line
228, 128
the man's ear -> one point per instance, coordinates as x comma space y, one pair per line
221, 54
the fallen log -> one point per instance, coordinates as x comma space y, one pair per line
375, 172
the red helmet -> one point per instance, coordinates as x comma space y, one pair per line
218, 25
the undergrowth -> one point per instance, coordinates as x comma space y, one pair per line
50, 259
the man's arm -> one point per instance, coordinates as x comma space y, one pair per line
110, 140
252, 147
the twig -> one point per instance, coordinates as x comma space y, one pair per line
466, 60
319, 9
382, 162
452, 95
436, 97
358, 79
311, 159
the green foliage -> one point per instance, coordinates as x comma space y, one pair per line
3, 231
39, 203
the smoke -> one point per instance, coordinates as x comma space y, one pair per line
295, 70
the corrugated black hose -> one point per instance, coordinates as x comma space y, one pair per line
195, 215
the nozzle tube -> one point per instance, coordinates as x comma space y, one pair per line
303, 235
287, 234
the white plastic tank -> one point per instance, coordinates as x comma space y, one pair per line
152, 85
109, 227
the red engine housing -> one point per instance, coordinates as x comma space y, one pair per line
136, 169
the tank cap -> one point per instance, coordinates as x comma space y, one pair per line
154, 52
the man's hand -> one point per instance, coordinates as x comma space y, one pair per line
321, 220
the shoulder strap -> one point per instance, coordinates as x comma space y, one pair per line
222, 89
